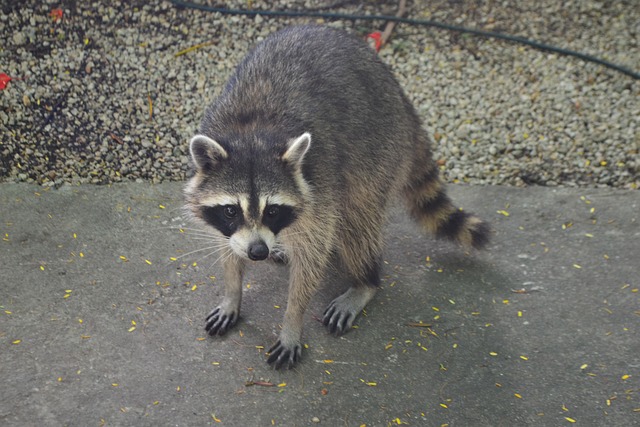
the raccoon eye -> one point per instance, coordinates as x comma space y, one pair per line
230, 212
277, 217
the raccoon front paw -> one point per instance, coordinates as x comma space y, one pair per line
279, 256
219, 321
281, 355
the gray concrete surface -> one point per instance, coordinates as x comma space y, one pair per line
541, 329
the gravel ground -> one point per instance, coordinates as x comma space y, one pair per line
102, 95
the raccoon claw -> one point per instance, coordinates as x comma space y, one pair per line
281, 355
342, 311
337, 322
279, 257
219, 322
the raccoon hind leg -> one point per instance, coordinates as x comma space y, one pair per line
342, 312
431, 207
361, 256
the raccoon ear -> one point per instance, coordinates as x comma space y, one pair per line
297, 148
205, 152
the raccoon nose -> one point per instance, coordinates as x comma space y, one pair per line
258, 251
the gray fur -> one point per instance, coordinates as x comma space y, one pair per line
314, 120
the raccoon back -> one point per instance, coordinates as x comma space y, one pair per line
323, 81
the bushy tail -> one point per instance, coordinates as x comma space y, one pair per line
430, 206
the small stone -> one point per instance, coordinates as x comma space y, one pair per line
315, 420
19, 38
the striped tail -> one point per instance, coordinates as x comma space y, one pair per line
430, 207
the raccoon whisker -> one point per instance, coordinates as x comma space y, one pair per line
178, 208
213, 253
170, 228
204, 230
222, 258
216, 247
207, 237
213, 236
215, 239
191, 253
187, 230
200, 259
209, 254
210, 240
203, 233
199, 250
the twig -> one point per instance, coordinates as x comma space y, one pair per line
419, 325
195, 47
386, 34
116, 138
260, 383
150, 107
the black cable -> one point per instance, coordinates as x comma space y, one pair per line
428, 23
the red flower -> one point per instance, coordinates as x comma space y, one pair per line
377, 38
4, 79
56, 14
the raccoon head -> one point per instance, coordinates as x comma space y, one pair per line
249, 191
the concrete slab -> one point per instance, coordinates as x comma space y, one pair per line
98, 326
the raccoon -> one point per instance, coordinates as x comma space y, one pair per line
298, 160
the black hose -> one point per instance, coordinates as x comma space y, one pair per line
424, 22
